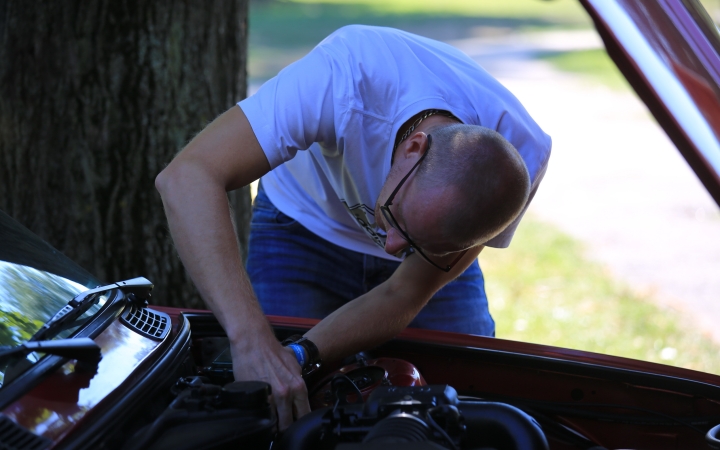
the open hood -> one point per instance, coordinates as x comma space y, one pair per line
669, 51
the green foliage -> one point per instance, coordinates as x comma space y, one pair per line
15, 327
544, 290
34, 293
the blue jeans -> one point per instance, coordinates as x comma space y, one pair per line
296, 273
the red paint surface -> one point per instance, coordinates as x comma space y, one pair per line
394, 372
62, 400
689, 48
482, 342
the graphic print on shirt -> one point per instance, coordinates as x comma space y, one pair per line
360, 213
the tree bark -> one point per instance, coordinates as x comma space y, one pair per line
96, 97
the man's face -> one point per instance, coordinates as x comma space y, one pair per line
420, 213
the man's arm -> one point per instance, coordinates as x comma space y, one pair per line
225, 156
385, 311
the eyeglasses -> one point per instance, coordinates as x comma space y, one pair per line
385, 209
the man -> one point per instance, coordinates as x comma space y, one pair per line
388, 162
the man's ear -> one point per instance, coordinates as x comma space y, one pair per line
414, 146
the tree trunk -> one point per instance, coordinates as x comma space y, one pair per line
96, 98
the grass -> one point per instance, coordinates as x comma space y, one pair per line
713, 9
283, 31
594, 64
559, 10
544, 290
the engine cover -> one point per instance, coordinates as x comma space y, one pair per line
421, 417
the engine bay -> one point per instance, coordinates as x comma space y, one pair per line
422, 390
369, 407
417, 393
368, 403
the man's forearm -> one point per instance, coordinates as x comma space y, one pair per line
199, 219
384, 312
366, 322
224, 156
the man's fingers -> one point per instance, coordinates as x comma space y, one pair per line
301, 404
291, 403
284, 412
280, 369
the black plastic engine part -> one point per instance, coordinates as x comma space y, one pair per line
207, 416
422, 417
395, 446
215, 360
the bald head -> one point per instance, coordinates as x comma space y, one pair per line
484, 176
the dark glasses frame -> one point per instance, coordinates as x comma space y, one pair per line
387, 214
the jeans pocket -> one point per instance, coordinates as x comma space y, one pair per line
266, 216
284, 219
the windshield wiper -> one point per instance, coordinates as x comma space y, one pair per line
82, 349
139, 287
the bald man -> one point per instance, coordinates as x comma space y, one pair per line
387, 162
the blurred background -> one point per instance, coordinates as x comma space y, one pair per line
620, 251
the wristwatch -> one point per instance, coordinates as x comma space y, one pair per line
306, 352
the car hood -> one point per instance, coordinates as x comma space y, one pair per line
668, 51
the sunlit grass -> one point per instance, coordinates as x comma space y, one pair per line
544, 290
594, 64
282, 31
559, 10
713, 9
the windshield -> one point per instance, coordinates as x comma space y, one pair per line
36, 281
29, 297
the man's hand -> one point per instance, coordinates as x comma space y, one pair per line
278, 367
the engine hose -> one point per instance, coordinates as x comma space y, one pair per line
303, 434
489, 424
501, 426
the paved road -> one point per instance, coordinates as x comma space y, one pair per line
615, 180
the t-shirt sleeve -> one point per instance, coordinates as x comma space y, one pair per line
295, 109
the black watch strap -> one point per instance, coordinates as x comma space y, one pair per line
314, 361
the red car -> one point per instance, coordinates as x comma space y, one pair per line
89, 367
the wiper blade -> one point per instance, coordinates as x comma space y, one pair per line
140, 287
82, 349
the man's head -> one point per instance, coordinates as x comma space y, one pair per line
469, 186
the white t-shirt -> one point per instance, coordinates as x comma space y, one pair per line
343, 104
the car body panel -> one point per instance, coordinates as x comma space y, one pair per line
501, 345
60, 402
571, 383
669, 54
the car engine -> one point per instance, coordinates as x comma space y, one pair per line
369, 404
